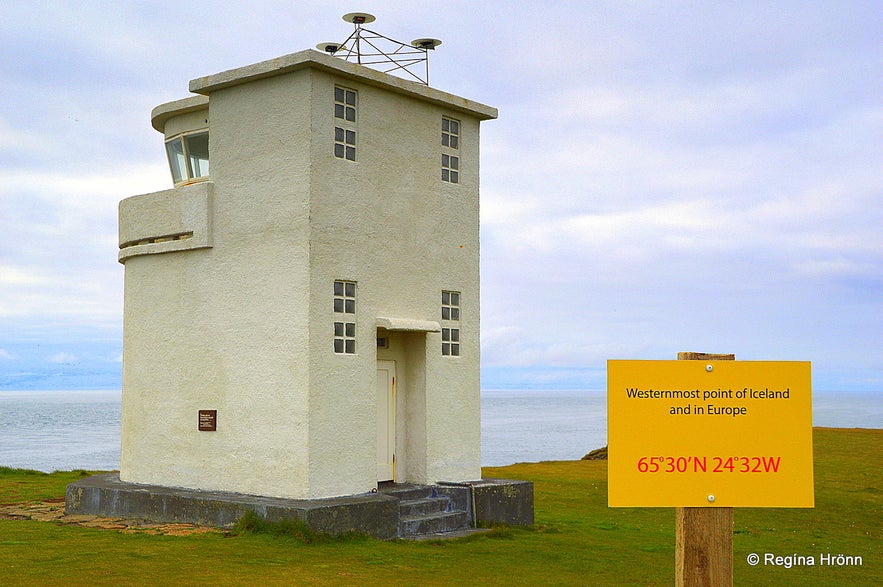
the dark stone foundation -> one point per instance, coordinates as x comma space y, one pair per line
486, 502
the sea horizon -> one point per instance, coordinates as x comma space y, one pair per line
79, 429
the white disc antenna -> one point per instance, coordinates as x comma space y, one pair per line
367, 47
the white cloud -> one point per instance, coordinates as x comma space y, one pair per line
651, 164
62, 358
4, 354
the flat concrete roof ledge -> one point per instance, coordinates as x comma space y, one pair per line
408, 325
311, 58
162, 113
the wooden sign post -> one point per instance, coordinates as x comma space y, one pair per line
703, 536
705, 434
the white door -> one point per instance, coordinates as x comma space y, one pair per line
386, 420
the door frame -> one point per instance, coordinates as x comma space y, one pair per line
386, 412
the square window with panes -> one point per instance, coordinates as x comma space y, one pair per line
345, 104
345, 338
450, 133
345, 297
344, 143
344, 301
450, 305
450, 168
450, 314
451, 342
450, 137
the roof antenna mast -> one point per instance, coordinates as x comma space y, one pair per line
367, 47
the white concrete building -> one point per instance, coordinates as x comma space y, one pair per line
302, 308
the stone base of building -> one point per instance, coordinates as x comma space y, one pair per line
394, 511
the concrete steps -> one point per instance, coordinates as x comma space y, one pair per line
426, 512
414, 526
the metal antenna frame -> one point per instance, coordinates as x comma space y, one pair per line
380, 50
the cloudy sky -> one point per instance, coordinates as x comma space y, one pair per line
663, 176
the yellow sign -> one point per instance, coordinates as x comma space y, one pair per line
709, 433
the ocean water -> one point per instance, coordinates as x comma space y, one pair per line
62, 430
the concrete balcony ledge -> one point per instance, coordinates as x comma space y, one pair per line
162, 222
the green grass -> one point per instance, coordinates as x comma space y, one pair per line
23, 485
577, 540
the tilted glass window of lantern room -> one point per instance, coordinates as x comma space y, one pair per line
188, 157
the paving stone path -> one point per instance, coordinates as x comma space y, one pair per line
52, 510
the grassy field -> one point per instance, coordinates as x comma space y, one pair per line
578, 540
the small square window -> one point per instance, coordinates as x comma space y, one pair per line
451, 342
344, 143
344, 304
450, 306
450, 133
450, 310
345, 297
345, 105
345, 337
